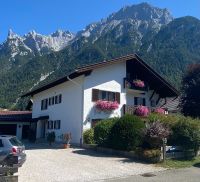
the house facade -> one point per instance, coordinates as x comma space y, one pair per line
69, 104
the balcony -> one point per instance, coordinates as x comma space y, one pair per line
130, 86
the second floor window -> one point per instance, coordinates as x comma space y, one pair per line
44, 104
105, 95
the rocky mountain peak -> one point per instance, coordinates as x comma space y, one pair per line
11, 34
142, 12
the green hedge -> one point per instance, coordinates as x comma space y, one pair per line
88, 136
186, 133
102, 131
126, 133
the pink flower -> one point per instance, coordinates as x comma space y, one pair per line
106, 105
142, 111
139, 83
159, 111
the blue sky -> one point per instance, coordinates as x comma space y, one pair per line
46, 16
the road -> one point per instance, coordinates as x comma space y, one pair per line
175, 175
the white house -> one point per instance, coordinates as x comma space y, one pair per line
68, 104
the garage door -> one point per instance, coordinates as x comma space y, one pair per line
8, 129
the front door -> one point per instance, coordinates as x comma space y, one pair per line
25, 131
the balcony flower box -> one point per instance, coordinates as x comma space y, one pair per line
142, 111
106, 105
139, 83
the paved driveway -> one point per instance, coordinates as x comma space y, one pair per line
60, 165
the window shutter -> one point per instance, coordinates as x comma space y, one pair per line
95, 95
117, 96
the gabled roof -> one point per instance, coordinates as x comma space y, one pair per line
85, 70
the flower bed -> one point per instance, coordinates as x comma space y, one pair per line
106, 105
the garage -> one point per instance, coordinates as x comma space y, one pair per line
15, 123
8, 129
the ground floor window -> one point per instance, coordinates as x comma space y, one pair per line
139, 101
53, 124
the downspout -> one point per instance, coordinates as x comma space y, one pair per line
82, 88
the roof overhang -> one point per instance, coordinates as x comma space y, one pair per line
85, 70
40, 118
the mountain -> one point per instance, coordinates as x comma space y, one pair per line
174, 47
167, 44
34, 43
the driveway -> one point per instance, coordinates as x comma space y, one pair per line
59, 165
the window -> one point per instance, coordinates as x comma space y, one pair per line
53, 99
1, 143
139, 101
105, 95
56, 99
50, 125
50, 101
60, 98
44, 104
57, 124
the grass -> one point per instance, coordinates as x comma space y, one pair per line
180, 163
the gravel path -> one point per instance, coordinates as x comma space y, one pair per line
60, 165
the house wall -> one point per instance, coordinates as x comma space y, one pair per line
108, 78
68, 111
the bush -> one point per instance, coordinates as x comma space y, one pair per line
51, 137
169, 120
88, 136
126, 133
142, 111
186, 133
154, 133
102, 131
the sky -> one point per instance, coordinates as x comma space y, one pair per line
46, 16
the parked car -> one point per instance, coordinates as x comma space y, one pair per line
12, 154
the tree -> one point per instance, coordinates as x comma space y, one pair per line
190, 100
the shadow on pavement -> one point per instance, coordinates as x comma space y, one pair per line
197, 165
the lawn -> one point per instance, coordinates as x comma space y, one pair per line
180, 163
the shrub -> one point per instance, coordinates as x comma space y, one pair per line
102, 131
51, 137
154, 133
126, 133
186, 133
88, 136
169, 120
142, 111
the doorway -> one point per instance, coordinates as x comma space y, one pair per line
25, 131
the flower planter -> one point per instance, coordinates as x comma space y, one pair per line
66, 146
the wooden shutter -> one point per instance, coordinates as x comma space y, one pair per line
95, 95
117, 96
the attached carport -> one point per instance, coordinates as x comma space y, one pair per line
15, 123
